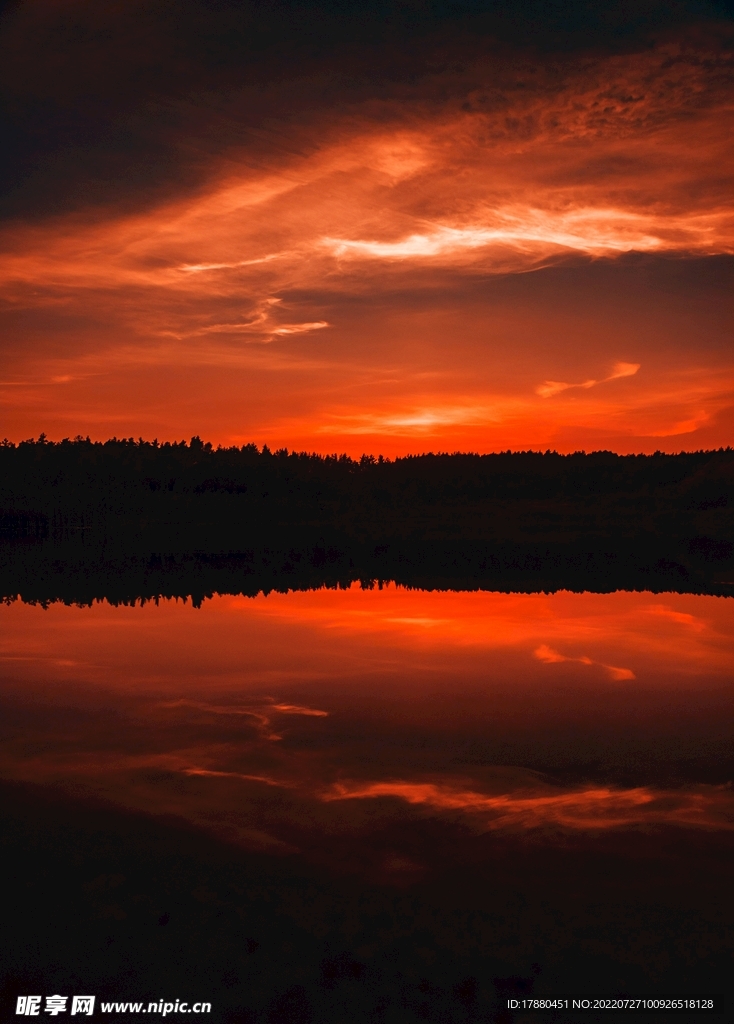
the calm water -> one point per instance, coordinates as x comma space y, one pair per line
505, 763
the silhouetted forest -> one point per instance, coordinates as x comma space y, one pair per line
128, 518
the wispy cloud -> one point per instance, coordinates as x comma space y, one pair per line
686, 426
263, 325
262, 714
532, 230
549, 656
211, 773
201, 268
549, 388
359, 234
594, 808
424, 419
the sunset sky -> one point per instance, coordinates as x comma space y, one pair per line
388, 228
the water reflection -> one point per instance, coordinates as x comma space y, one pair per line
331, 723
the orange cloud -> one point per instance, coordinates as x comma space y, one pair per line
535, 234
548, 656
263, 325
537, 168
211, 773
581, 809
549, 388
418, 421
262, 713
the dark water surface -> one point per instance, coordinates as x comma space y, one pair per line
368, 805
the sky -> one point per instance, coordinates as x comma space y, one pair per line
388, 228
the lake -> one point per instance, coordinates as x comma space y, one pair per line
369, 804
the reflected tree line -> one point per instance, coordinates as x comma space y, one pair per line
128, 519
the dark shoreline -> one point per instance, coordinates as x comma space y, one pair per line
127, 520
45, 572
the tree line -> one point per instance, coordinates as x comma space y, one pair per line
445, 517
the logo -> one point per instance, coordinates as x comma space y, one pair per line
30, 1006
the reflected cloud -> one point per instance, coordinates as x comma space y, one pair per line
681, 618
283, 721
583, 809
548, 656
210, 773
261, 713
296, 709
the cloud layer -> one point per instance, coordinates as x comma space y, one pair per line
392, 215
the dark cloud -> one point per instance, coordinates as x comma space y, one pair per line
123, 102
